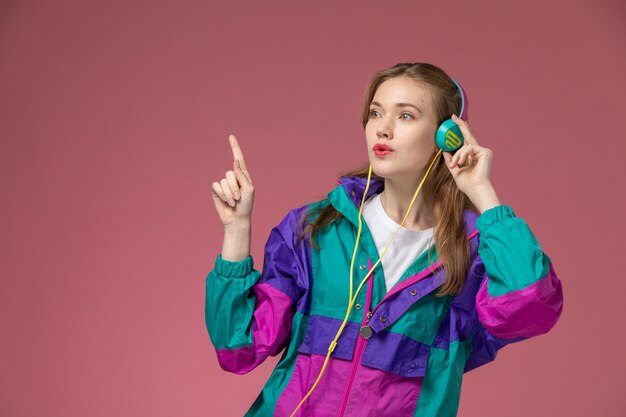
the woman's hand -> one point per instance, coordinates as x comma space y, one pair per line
470, 167
234, 195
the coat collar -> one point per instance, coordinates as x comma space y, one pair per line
347, 195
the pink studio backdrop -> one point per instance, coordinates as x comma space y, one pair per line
114, 122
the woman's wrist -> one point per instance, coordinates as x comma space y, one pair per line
236, 246
484, 197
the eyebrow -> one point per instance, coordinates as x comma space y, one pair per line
375, 103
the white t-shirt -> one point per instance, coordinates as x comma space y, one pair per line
407, 246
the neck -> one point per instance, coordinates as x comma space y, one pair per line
396, 198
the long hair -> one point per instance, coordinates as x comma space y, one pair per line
440, 190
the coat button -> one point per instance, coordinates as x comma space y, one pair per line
412, 364
383, 319
358, 306
413, 292
366, 332
362, 267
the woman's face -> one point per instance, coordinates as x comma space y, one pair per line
402, 117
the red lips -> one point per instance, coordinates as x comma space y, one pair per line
382, 147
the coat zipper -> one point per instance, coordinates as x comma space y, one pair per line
361, 342
360, 347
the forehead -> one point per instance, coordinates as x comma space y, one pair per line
403, 90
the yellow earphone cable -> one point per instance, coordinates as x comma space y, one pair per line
352, 299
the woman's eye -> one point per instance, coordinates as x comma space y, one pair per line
406, 114
372, 112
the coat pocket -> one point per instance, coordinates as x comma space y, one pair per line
394, 352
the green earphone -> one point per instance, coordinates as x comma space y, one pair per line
449, 137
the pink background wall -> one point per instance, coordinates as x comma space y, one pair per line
114, 122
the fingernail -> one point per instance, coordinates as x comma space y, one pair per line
236, 194
224, 197
231, 202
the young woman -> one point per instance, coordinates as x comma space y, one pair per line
410, 273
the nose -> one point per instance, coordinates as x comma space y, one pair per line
384, 130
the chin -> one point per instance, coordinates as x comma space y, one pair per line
389, 171
384, 171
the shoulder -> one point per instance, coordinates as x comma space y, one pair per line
295, 220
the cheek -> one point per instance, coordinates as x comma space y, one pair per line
423, 147
425, 138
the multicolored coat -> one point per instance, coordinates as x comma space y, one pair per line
413, 363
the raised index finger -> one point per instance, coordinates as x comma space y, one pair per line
237, 154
